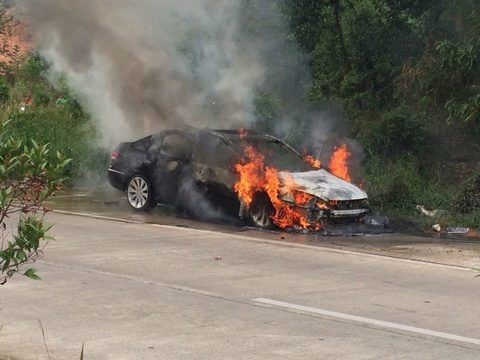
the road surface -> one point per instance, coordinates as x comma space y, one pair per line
410, 244
148, 291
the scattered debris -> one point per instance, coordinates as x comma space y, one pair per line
376, 220
437, 227
431, 213
458, 230
28, 101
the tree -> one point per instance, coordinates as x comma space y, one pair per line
26, 180
11, 33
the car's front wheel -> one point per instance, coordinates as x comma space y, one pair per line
261, 211
140, 193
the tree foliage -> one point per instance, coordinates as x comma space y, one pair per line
27, 179
378, 57
11, 53
407, 75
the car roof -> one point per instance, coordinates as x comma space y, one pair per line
228, 135
242, 134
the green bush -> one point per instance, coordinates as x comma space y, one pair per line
41, 99
399, 185
395, 187
52, 116
468, 200
4, 91
27, 179
33, 68
55, 126
399, 133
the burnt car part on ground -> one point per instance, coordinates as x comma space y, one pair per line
194, 170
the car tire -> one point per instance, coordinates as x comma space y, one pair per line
139, 193
260, 212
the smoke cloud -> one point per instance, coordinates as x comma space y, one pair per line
140, 67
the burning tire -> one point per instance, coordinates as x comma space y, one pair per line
260, 212
140, 193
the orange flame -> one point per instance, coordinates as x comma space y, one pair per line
252, 176
338, 162
255, 177
361, 184
242, 133
312, 161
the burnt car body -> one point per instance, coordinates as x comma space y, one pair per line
153, 170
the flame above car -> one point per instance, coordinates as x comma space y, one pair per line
338, 164
255, 176
291, 193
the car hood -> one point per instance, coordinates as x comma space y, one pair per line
322, 184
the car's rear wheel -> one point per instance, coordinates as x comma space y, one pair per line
261, 211
140, 193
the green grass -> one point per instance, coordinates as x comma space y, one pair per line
396, 187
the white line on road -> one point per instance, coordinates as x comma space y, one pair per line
361, 319
72, 195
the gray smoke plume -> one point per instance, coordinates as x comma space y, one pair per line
143, 66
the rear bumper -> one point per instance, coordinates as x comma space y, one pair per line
117, 179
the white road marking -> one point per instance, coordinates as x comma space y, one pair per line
361, 319
71, 195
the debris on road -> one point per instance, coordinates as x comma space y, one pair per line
458, 230
376, 220
431, 213
218, 258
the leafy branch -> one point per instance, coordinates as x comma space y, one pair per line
27, 179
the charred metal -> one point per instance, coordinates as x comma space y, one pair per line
197, 171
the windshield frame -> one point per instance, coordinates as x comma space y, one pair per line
235, 143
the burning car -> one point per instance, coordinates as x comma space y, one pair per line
256, 177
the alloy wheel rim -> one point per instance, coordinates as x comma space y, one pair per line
137, 192
261, 218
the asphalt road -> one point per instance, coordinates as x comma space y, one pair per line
406, 244
149, 291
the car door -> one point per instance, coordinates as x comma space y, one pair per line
171, 160
213, 162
